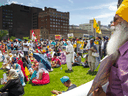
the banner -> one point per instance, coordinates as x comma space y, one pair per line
57, 37
70, 35
33, 35
85, 35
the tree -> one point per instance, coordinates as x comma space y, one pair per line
3, 33
26, 38
12, 38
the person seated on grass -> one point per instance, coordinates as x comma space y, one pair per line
34, 65
42, 77
28, 61
20, 73
58, 53
44, 54
55, 61
23, 69
77, 60
6, 64
66, 81
13, 87
33, 74
14, 60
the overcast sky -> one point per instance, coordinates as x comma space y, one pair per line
81, 11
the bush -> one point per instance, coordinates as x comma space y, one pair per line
12, 38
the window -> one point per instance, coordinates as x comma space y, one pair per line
54, 19
10, 26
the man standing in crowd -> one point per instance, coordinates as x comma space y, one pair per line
69, 56
91, 58
25, 47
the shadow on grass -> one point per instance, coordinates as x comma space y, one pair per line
30, 82
92, 73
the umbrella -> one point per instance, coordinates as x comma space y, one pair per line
53, 43
40, 57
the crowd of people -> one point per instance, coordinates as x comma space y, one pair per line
31, 60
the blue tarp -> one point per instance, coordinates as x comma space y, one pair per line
44, 61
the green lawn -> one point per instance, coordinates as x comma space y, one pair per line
79, 76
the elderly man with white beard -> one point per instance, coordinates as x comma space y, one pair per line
118, 78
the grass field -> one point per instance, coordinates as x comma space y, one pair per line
79, 76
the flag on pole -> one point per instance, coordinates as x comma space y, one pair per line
33, 36
96, 26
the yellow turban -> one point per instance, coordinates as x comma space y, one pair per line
123, 9
43, 51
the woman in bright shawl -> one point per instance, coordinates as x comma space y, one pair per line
23, 69
20, 73
42, 77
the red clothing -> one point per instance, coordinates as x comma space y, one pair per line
45, 79
22, 68
56, 60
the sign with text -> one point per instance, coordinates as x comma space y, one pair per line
57, 37
70, 35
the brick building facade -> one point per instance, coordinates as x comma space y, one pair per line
57, 23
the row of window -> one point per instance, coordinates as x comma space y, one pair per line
58, 20
59, 14
58, 26
58, 23
53, 29
7, 23
58, 17
7, 10
6, 26
7, 17
8, 13
7, 20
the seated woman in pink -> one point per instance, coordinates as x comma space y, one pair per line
42, 77
55, 61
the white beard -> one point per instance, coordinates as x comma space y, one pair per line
118, 38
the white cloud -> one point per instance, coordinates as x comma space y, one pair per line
110, 6
70, 1
30, 4
106, 15
15, 2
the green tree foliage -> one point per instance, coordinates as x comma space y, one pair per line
26, 38
12, 38
3, 33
